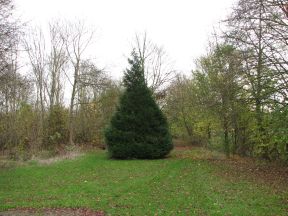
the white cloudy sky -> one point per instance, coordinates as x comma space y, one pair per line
181, 26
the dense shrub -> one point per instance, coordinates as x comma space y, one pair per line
56, 127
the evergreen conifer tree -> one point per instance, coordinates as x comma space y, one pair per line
138, 129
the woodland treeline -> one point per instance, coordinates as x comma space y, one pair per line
235, 100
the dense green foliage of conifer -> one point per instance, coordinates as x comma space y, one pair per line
138, 129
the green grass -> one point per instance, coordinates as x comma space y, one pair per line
174, 186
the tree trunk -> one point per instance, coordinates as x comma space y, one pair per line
71, 114
226, 137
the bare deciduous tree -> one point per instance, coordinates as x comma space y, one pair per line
259, 29
248, 31
158, 68
14, 87
92, 81
56, 62
77, 38
8, 32
35, 47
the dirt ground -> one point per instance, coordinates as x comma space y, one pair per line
273, 174
52, 212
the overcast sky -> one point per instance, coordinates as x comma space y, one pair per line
181, 26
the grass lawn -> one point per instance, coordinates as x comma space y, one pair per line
179, 185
